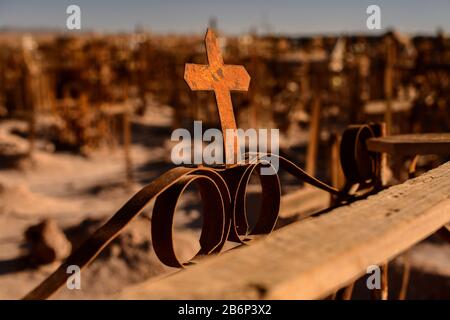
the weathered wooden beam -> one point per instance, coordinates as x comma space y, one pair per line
313, 258
303, 202
412, 144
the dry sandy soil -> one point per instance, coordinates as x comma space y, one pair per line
80, 193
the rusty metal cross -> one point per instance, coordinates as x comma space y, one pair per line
221, 79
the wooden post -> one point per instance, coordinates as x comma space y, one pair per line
30, 100
336, 174
405, 277
126, 146
337, 181
127, 138
384, 168
384, 281
314, 130
388, 82
31, 126
85, 121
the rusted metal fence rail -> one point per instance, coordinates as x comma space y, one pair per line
314, 258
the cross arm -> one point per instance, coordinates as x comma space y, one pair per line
236, 77
198, 77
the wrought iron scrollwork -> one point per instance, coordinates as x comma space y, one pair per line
223, 194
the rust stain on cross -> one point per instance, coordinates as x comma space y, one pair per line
221, 79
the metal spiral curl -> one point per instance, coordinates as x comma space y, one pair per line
223, 196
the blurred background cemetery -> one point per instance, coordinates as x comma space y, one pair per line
86, 120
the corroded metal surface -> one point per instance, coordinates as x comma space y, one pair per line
221, 79
223, 193
361, 167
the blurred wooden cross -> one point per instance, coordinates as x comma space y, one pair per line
221, 79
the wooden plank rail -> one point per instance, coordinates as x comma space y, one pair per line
412, 144
303, 202
313, 258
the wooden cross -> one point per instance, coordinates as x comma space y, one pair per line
221, 79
